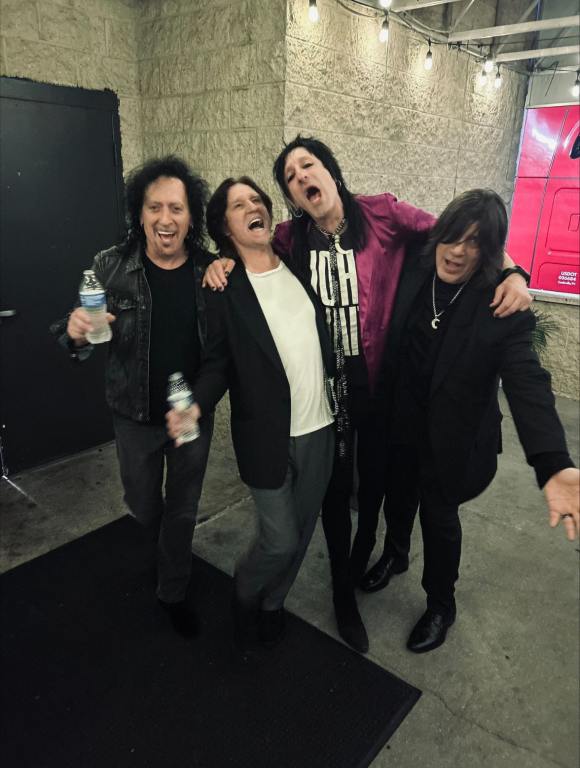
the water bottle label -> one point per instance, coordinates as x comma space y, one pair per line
180, 401
93, 301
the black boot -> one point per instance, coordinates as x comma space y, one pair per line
244, 617
348, 619
271, 626
182, 616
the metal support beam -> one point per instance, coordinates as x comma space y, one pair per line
410, 5
514, 29
525, 14
539, 53
462, 14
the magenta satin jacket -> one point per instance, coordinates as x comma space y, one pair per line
378, 265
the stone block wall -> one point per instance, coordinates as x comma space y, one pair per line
562, 354
87, 44
425, 136
212, 84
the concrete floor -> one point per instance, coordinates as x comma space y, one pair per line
503, 690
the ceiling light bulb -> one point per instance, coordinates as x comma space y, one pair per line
386, 4
384, 33
497, 81
488, 63
576, 86
483, 77
428, 63
313, 14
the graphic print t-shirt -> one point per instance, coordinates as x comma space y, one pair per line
347, 286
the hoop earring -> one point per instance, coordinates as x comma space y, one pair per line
297, 213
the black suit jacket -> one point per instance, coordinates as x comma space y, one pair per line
464, 419
241, 355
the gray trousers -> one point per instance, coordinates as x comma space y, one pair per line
144, 452
286, 521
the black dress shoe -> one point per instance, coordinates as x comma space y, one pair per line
271, 626
349, 622
182, 616
430, 631
380, 574
244, 616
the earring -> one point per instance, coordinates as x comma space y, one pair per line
338, 183
296, 212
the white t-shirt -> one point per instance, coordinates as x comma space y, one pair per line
292, 321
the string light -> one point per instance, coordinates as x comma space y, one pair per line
386, 4
313, 14
576, 86
489, 63
428, 63
483, 76
384, 33
497, 82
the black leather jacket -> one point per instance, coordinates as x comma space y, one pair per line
129, 299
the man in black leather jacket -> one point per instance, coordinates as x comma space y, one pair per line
154, 295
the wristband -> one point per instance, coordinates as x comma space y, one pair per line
515, 271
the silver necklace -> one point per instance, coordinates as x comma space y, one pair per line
332, 235
436, 315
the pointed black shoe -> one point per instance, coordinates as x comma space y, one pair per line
183, 618
349, 622
271, 626
380, 574
244, 617
430, 631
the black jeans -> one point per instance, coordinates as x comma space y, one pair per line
369, 429
146, 453
410, 471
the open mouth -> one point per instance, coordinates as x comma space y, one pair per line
313, 194
165, 237
256, 223
452, 265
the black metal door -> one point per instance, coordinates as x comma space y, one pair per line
61, 202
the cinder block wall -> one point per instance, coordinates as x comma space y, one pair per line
562, 354
212, 83
88, 44
425, 136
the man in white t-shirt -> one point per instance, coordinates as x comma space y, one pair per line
267, 344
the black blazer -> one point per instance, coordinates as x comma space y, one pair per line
241, 355
464, 416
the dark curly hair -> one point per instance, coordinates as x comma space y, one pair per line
352, 211
216, 213
196, 191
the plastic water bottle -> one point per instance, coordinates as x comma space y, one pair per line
180, 397
94, 301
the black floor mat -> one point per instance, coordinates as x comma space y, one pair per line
93, 676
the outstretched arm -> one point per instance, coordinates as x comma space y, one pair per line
532, 403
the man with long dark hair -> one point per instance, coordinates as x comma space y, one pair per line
153, 284
444, 357
269, 346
